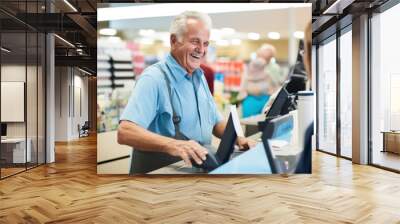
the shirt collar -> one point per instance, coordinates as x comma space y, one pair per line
179, 73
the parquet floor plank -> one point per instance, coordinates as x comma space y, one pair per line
70, 191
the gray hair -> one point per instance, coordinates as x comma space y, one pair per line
178, 25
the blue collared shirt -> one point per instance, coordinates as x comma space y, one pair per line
149, 105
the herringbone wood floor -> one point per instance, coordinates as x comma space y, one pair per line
69, 191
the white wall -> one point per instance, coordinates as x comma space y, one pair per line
70, 83
61, 103
16, 73
80, 88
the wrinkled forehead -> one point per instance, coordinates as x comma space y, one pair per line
195, 27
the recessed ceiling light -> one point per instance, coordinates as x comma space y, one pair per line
236, 41
5, 50
114, 39
166, 44
145, 33
335, 7
108, 31
147, 41
165, 40
228, 31
65, 41
215, 35
222, 43
70, 5
274, 35
84, 71
253, 36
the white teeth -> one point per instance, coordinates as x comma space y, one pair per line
195, 56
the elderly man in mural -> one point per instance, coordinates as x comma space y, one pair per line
171, 113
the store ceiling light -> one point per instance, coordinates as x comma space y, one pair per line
164, 37
147, 41
108, 31
253, 36
274, 35
166, 44
70, 5
65, 41
173, 9
5, 49
298, 34
222, 43
215, 35
228, 31
236, 41
146, 33
114, 39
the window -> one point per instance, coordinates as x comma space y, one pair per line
346, 93
385, 89
22, 80
327, 96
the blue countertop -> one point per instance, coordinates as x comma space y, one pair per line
253, 161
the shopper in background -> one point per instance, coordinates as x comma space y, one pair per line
259, 83
171, 112
268, 53
255, 88
208, 73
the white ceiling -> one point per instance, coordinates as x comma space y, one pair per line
261, 21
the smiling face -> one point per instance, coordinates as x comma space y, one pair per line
189, 50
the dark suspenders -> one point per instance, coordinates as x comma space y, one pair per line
175, 118
145, 161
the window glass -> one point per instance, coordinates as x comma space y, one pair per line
346, 94
385, 84
327, 96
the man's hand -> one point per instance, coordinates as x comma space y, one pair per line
187, 150
245, 143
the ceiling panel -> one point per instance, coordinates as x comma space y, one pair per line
277, 20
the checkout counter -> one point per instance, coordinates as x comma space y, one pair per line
252, 161
290, 148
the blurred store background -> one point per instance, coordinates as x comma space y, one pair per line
129, 40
